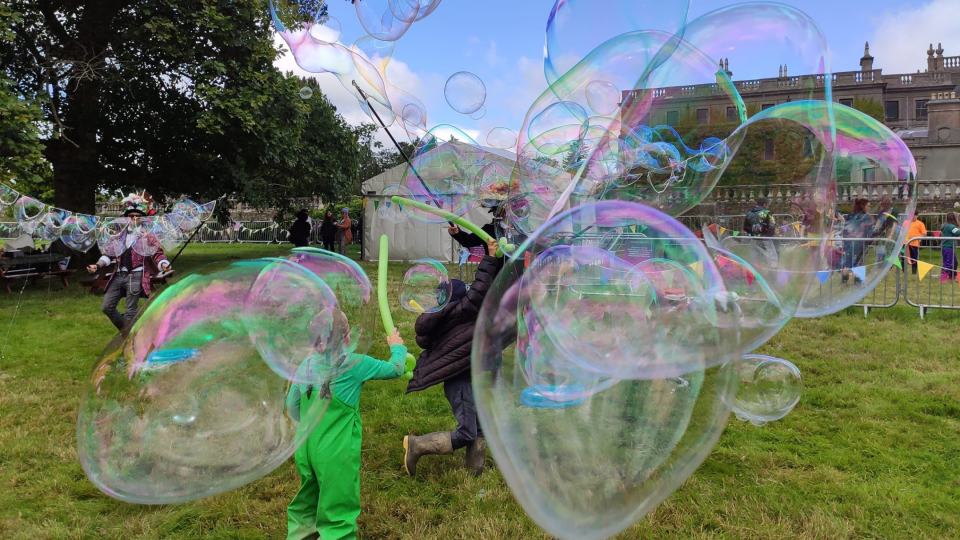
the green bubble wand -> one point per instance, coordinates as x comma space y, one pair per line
504, 246
385, 314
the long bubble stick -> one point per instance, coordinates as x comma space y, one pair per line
504, 247
385, 315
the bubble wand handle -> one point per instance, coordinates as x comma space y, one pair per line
385, 315
504, 246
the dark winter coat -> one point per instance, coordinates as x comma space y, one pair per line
300, 233
328, 230
446, 336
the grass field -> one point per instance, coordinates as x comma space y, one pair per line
871, 451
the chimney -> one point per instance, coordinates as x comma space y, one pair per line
943, 118
931, 62
784, 70
866, 63
726, 67
780, 72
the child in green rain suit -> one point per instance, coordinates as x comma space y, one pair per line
328, 502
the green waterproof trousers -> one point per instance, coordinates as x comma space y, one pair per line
328, 503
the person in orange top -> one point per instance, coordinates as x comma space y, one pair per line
916, 230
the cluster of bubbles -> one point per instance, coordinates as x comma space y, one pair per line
113, 236
192, 399
610, 348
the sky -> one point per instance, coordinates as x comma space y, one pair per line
502, 42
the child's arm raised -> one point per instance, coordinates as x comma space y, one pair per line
371, 369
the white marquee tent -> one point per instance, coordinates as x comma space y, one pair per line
412, 240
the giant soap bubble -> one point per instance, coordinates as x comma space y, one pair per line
27, 212
591, 435
182, 406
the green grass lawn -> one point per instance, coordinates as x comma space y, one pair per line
871, 451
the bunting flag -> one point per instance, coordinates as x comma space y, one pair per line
698, 268
736, 233
365, 201
924, 269
722, 230
796, 226
897, 263
668, 277
860, 272
376, 205
823, 276
937, 234
633, 228
750, 278
783, 276
722, 261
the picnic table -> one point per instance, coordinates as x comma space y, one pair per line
33, 268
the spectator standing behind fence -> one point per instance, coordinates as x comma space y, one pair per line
300, 230
916, 230
759, 223
328, 231
858, 225
344, 235
950, 229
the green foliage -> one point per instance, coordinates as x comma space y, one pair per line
870, 108
21, 153
176, 97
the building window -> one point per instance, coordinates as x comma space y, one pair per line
732, 114
767, 106
846, 102
892, 109
768, 149
869, 175
922, 109
703, 116
673, 118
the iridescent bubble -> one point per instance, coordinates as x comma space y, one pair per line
112, 236
50, 225
306, 92
425, 287
389, 210
586, 453
325, 31
8, 196
182, 406
79, 232
479, 113
378, 19
603, 97
27, 212
444, 173
577, 27
290, 314
768, 388
502, 138
465, 92
352, 289
167, 232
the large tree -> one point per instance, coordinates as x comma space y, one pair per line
175, 96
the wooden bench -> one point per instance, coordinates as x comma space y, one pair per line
10, 276
98, 283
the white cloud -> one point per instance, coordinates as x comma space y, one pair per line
444, 133
901, 37
492, 59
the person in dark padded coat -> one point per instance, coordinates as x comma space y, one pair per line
446, 338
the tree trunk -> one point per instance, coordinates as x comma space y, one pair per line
76, 168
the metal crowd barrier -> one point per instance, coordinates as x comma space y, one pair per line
256, 232
938, 288
10, 230
214, 233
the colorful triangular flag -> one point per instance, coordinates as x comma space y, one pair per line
860, 272
750, 278
722, 230
924, 269
897, 263
633, 228
823, 276
736, 233
783, 276
668, 277
376, 205
698, 268
722, 261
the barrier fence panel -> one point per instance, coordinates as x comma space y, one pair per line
256, 232
930, 276
213, 233
10, 231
